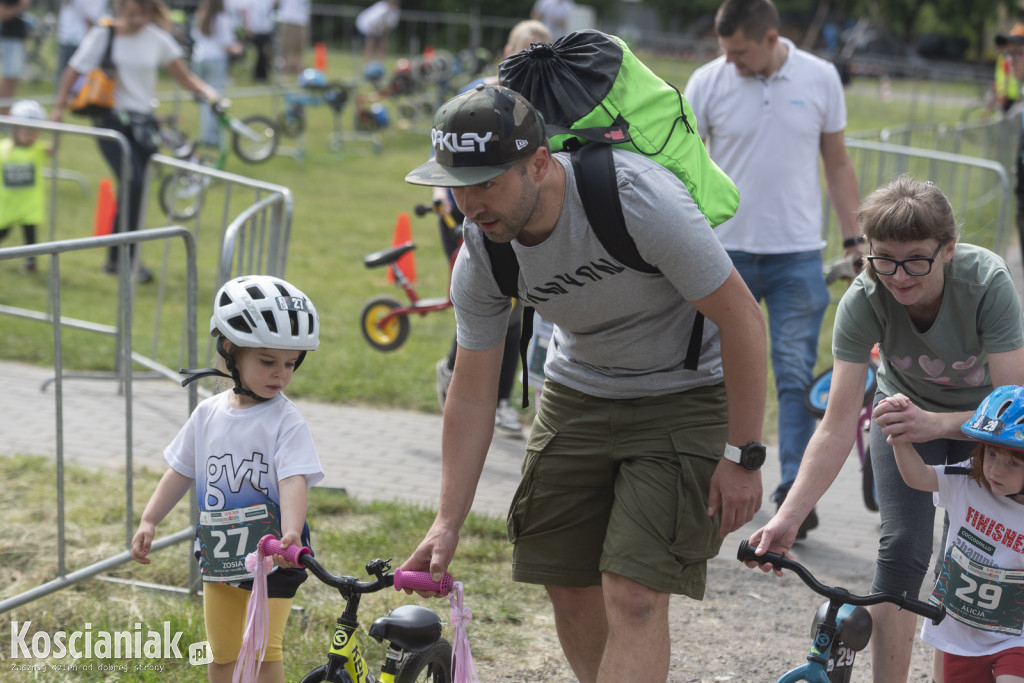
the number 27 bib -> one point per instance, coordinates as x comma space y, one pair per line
227, 536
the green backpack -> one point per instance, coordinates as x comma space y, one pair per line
594, 95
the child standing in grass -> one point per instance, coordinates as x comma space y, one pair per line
981, 581
22, 158
251, 457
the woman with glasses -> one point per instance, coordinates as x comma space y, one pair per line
950, 328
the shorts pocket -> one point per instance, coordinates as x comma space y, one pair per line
541, 435
698, 450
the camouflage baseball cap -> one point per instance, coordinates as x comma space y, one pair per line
479, 135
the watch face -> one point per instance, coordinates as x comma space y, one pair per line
752, 456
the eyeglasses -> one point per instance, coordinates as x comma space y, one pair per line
919, 266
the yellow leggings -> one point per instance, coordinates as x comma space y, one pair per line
224, 608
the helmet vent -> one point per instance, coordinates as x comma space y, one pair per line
1002, 408
268, 318
225, 300
238, 323
293, 320
255, 292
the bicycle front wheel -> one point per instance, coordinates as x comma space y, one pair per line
433, 665
386, 337
181, 194
254, 139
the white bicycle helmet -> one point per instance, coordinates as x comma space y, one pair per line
28, 109
262, 311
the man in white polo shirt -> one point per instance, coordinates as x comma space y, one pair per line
767, 111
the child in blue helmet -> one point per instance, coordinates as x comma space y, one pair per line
250, 455
981, 581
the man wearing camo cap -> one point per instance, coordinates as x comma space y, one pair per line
625, 491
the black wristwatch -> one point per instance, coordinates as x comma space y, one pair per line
749, 457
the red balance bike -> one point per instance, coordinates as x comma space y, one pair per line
384, 320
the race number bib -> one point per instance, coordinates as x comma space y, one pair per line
985, 598
227, 536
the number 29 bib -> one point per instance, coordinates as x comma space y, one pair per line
227, 536
983, 597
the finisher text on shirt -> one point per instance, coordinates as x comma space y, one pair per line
996, 531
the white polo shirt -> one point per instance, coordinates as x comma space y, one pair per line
765, 133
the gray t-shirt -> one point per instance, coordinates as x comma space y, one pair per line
619, 333
943, 368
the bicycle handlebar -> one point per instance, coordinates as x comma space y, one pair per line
400, 579
934, 612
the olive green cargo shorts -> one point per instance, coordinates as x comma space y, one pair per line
619, 486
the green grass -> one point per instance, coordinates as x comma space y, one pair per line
346, 535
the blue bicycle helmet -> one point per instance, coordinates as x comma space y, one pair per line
312, 78
999, 420
373, 71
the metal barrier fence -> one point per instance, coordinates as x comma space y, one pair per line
967, 160
253, 225
127, 355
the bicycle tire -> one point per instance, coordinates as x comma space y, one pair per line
181, 195
867, 482
433, 665
816, 395
258, 150
391, 336
318, 675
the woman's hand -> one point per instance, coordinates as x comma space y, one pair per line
903, 422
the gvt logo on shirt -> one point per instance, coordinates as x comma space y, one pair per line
224, 477
19, 176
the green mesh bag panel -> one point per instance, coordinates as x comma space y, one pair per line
591, 88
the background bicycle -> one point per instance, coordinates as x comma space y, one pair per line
384, 321
841, 627
416, 651
254, 140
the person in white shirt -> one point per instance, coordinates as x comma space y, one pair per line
554, 14
213, 41
375, 23
74, 20
979, 581
293, 19
258, 18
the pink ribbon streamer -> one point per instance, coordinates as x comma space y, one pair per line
463, 670
257, 621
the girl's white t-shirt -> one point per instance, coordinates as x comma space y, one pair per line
986, 534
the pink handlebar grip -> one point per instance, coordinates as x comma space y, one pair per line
271, 546
422, 581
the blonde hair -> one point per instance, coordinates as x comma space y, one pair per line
524, 34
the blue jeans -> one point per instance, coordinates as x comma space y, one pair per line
794, 291
215, 73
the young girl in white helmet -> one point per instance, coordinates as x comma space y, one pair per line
981, 580
22, 159
251, 457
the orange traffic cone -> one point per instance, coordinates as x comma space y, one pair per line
106, 207
403, 234
320, 57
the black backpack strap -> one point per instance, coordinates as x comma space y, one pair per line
505, 268
594, 168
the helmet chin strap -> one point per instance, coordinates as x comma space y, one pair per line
232, 368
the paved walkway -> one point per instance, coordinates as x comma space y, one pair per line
371, 453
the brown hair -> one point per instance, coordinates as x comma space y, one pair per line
754, 17
907, 210
207, 13
978, 460
154, 9
524, 33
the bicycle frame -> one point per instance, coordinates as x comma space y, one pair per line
842, 605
